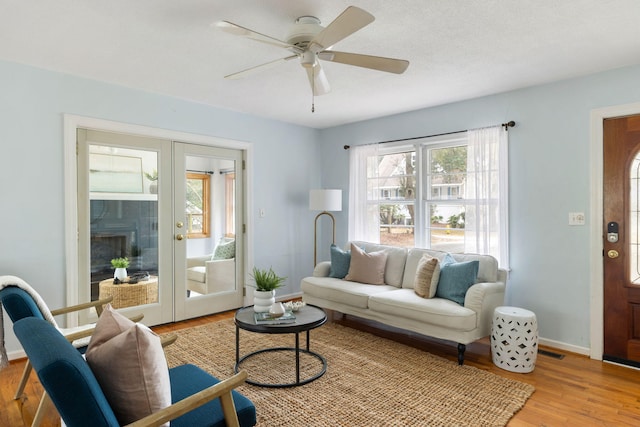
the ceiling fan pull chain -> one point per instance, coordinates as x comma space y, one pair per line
313, 90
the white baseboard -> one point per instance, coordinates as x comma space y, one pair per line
564, 346
18, 354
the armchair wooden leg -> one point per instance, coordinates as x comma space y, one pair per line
23, 380
229, 410
45, 403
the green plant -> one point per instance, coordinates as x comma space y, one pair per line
152, 176
120, 263
267, 280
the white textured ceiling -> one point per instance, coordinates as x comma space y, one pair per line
458, 49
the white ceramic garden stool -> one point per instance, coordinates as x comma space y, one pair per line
514, 339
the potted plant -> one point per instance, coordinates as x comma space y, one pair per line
267, 281
120, 265
153, 177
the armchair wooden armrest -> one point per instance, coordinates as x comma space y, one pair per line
222, 390
97, 304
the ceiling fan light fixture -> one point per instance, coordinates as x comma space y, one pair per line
308, 59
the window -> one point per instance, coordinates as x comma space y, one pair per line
395, 177
445, 193
197, 208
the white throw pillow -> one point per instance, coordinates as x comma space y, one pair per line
128, 361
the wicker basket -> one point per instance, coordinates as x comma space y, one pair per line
129, 295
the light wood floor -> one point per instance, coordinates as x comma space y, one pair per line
572, 391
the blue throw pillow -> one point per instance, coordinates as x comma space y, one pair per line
340, 262
456, 278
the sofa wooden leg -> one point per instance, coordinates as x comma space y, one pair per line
461, 349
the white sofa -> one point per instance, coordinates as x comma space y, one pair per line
395, 303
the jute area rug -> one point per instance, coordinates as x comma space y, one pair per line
370, 381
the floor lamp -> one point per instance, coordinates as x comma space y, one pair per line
325, 201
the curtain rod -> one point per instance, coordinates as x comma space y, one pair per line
196, 171
506, 126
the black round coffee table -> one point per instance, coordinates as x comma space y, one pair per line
307, 318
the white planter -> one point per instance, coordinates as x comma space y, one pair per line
262, 300
120, 274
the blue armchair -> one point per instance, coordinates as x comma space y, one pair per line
198, 399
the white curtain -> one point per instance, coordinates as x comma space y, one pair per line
364, 212
486, 189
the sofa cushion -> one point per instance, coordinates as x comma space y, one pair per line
341, 291
187, 380
396, 259
366, 267
197, 274
427, 276
436, 311
128, 361
456, 278
340, 262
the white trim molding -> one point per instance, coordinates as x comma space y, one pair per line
596, 270
71, 124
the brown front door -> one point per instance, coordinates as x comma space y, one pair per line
622, 240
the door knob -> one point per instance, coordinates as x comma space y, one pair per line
613, 253
179, 236
179, 224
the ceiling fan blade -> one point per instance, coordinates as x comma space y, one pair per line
351, 20
237, 30
260, 67
390, 65
318, 80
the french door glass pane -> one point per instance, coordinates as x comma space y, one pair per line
123, 214
210, 212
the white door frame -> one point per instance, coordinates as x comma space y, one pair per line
71, 124
597, 207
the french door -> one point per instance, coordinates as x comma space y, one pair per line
164, 206
207, 220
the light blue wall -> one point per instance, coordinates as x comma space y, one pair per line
549, 177
32, 104
549, 160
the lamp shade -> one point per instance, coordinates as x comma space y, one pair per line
325, 200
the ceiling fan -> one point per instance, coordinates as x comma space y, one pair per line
309, 42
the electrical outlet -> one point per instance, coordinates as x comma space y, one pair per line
576, 218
